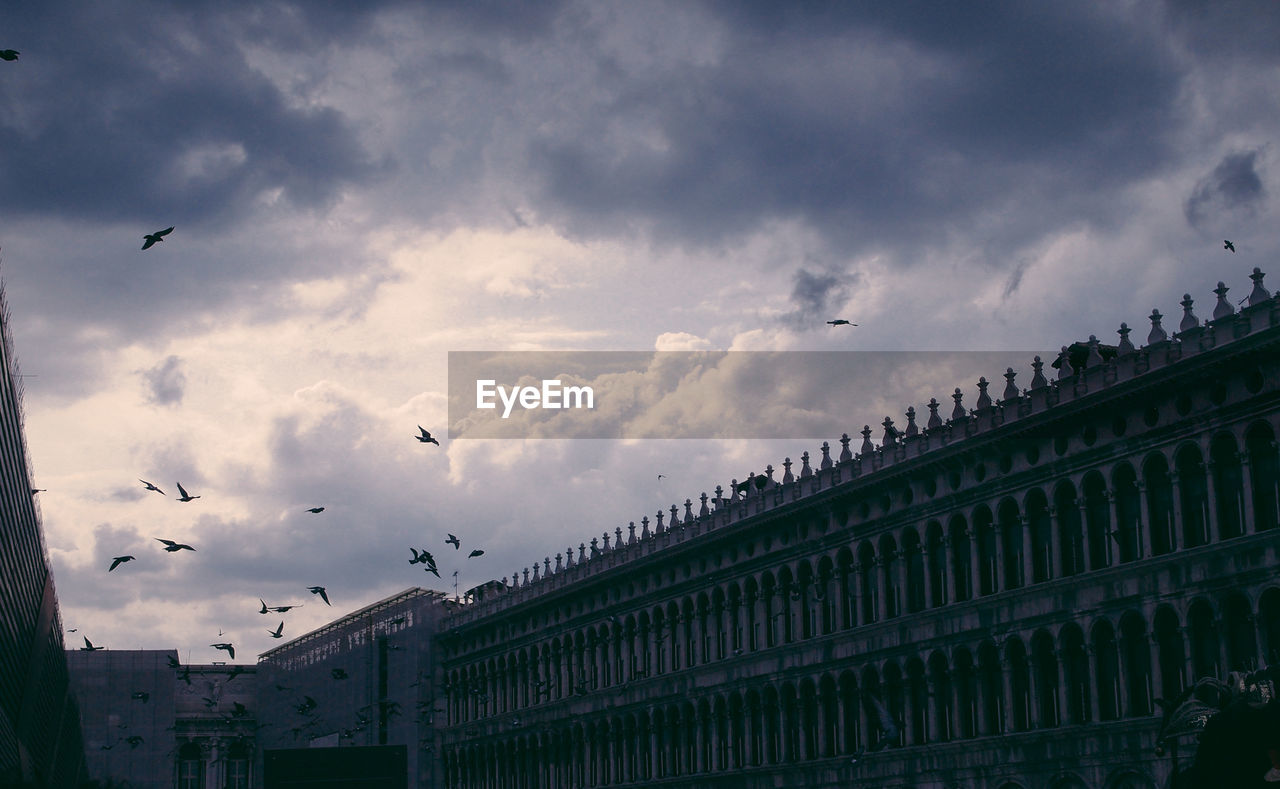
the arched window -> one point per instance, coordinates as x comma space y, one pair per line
1264, 472
850, 709
870, 590
1075, 670
936, 564
1128, 513
788, 598
985, 531
892, 582
915, 570
992, 681
1228, 485
1045, 662
895, 699
1193, 496
1172, 658
1137, 663
1011, 533
190, 767
961, 558
848, 588
1097, 512
1155, 474
940, 679
1204, 640
1070, 535
1108, 657
1242, 645
918, 698
1020, 680
830, 717
966, 682
826, 596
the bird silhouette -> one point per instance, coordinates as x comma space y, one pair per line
889, 728
661, 476
841, 322
280, 609
316, 510
185, 496
432, 569
455, 542
150, 486
9, 54
88, 645
153, 238
34, 491
279, 631
229, 649
116, 561
475, 553
264, 608
425, 436
171, 546
320, 591
1227, 245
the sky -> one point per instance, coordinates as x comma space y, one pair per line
360, 188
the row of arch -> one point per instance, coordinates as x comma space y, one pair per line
1080, 673
1184, 504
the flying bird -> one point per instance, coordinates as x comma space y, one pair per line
1227, 245
34, 491
425, 436
320, 591
150, 486
316, 509
841, 322
280, 609
9, 54
422, 557
455, 542
229, 649
171, 546
660, 476
889, 728
116, 561
279, 631
152, 238
432, 569
475, 553
88, 645
185, 496
264, 608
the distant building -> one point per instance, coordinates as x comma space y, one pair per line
993, 600
355, 690
152, 723
40, 743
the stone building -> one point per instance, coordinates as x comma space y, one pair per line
997, 599
365, 681
40, 744
151, 722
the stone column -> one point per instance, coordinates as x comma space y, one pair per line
1028, 549
975, 563
1055, 544
881, 587
1249, 525
1000, 581
928, 575
1144, 520
1035, 716
1086, 542
1175, 484
1211, 490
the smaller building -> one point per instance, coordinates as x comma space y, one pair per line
154, 723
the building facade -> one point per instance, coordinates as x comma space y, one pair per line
999, 599
365, 681
151, 722
40, 744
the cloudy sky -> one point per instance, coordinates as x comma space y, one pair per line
360, 188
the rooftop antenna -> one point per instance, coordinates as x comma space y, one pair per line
456, 599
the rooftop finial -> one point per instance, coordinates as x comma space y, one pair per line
984, 399
1038, 381
704, 510
1010, 388
733, 489
658, 527
768, 472
688, 511
568, 557
867, 447
559, 564
1189, 319
845, 454
631, 533
1095, 356
1158, 334
826, 456
1223, 308
935, 421
606, 541
805, 471
595, 547
890, 433
618, 533
1064, 364
582, 552
675, 516
958, 413
911, 430
1125, 346
644, 528
787, 476
1259, 293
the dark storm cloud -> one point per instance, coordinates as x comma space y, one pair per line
1233, 188
1235, 29
166, 382
158, 117
901, 125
